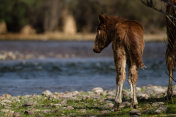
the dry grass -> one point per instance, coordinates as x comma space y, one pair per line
62, 36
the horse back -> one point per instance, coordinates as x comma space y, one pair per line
131, 34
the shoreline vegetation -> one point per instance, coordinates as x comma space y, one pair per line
95, 103
71, 37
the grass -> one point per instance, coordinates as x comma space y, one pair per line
68, 37
81, 105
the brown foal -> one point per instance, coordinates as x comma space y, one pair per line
127, 45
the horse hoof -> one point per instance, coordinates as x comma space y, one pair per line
169, 98
116, 107
135, 106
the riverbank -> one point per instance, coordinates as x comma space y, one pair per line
97, 102
77, 36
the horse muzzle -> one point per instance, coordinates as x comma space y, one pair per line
96, 50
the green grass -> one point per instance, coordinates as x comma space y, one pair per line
51, 107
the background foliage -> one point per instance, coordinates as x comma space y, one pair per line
47, 15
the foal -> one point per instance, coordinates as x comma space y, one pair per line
127, 45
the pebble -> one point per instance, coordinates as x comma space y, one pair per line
135, 112
161, 109
75, 93
47, 93
138, 89
142, 96
174, 92
126, 94
83, 110
28, 104
110, 93
109, 105
69, 108
6, 101
28, 112
126, 104
5, 110
105, 99
156, 104
148, 111
98, 90
64, 102
6, 95
155, 91
45, 111
16, 115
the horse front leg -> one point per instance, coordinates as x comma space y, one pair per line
132, 80
170, 91
120, 78
170, 62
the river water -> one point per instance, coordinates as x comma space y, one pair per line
71, 65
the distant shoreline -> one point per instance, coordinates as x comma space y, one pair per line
71, 37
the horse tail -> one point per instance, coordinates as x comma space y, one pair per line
134, 45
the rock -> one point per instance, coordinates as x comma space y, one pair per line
65, 95
97, 90
134, 116
135, 112
110, 93
6, 101
28, 112
109, 105
142, 96
4, 110
69, 108
1, 97
57, 105
161, 109
104, 112
28, 104
156, 104
6, 95
38, 115
83, 110
27, 30
16, 115
45, 111
75, 93
174, 92
126, 104
138, 89
156, 91
126, 94
64, 102
97, 97
148, 111
10, 113
47, 93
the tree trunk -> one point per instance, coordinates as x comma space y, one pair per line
52, 14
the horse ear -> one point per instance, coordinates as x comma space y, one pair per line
102, 18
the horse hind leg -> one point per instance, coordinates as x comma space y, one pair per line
132, 80
170, 62
120, 78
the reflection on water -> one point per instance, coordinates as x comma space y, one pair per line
84, 71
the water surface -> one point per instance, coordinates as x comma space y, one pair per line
83, 71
